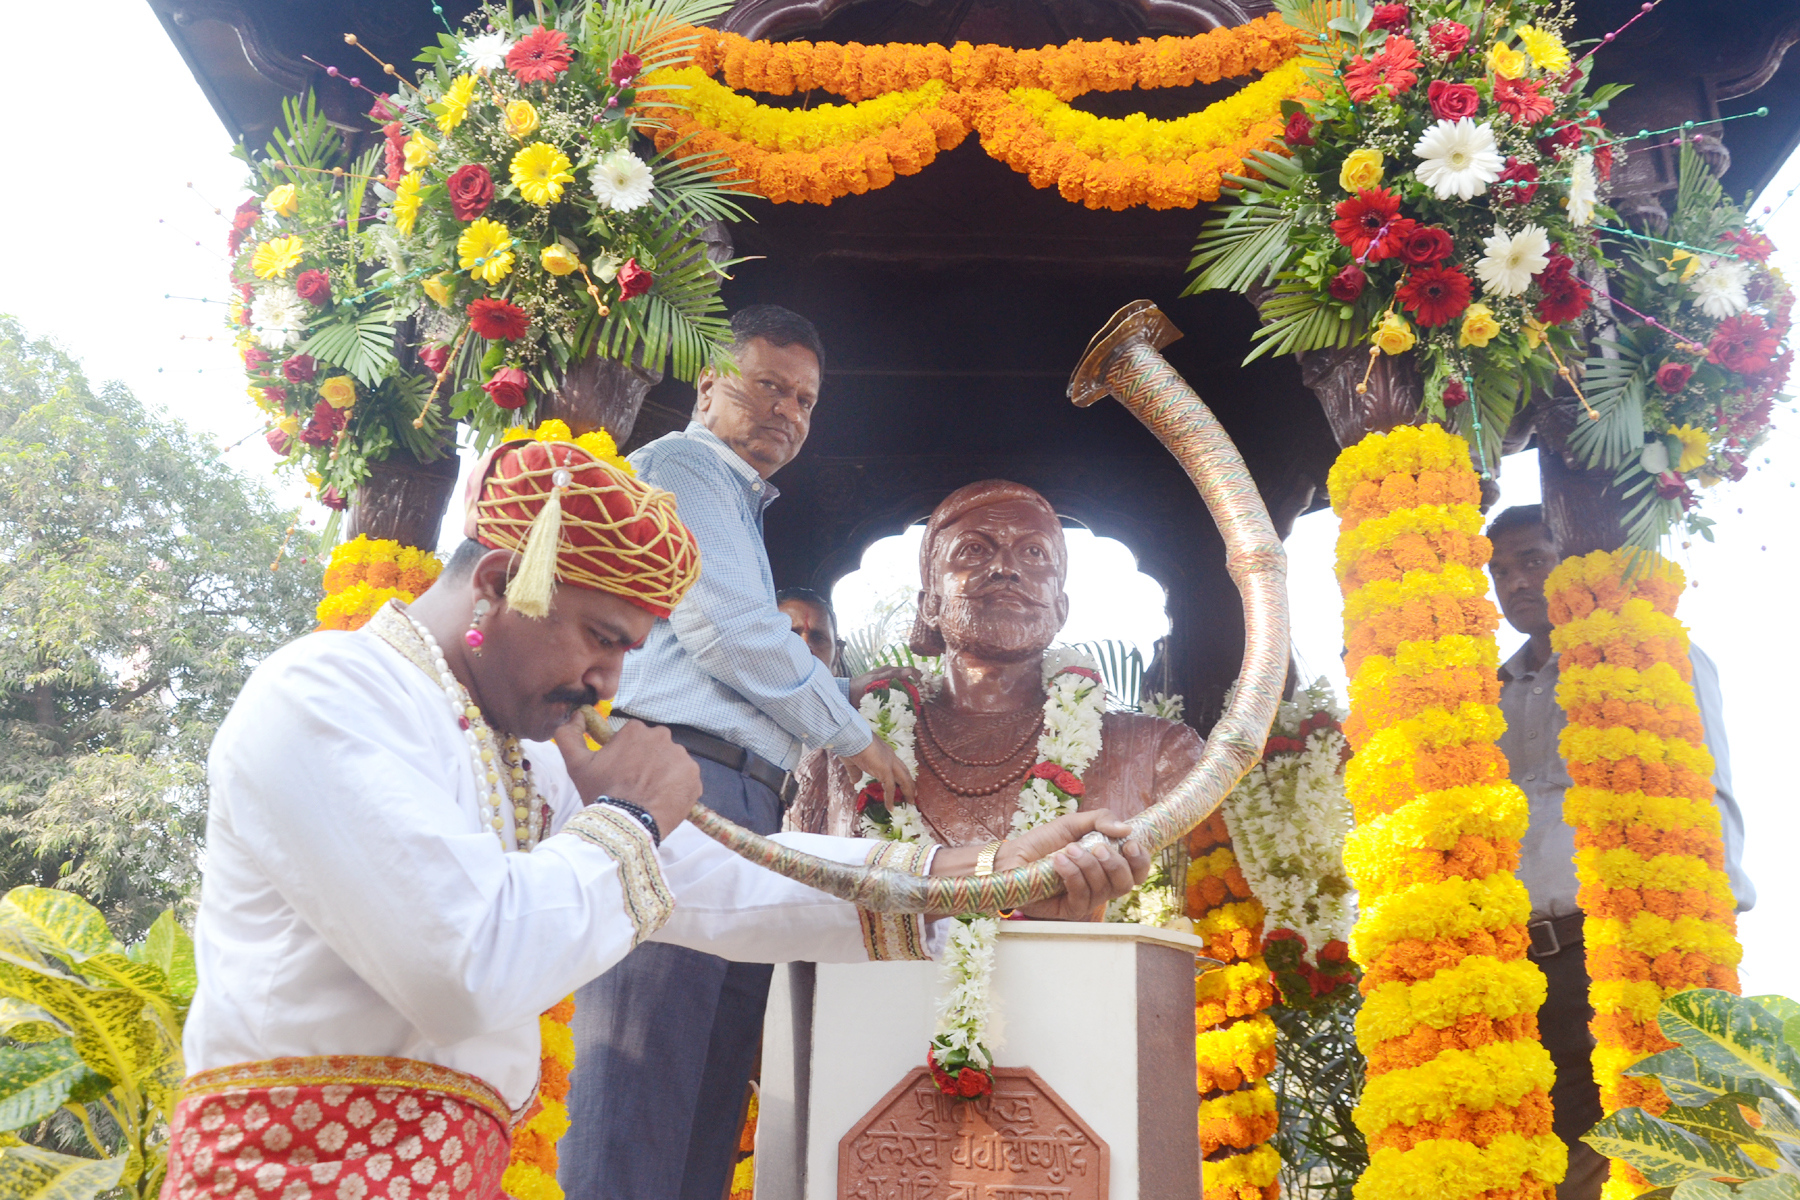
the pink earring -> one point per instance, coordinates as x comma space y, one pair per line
474, 637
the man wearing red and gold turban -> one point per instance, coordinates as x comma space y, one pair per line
411, 853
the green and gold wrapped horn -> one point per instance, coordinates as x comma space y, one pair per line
1123, 360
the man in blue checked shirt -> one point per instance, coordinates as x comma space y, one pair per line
667, 1040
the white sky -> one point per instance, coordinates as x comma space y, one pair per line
103, 224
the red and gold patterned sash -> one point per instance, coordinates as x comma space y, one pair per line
337, 1128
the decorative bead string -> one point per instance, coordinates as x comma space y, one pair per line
1644, 237
1680, 340
1683, 127
1644, 10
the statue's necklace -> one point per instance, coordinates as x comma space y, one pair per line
931, 746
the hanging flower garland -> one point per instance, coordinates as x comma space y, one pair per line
1075, 701
531, 1172
1457, 1101
908, 102
1649, 850
1234, 1039
365, 573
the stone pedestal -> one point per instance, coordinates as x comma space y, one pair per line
1099, 1019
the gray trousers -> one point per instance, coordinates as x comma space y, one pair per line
665, 1044
1575, 1097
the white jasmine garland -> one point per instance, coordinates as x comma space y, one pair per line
1512, 259
485, 51
1719, 288
1458, 158
1584, 189
1073, 707
622, 181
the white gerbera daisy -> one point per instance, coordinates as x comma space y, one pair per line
1512, 259
278, 317
622, 181
1458, 158
1584, 189
1719, 288
486, 51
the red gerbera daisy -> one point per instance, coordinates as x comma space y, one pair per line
1435, 295
539, 56
1392, 70
1564, 296
1362, 217
1521, 100
1518, 182
1751, 244
498, 319
1742, 344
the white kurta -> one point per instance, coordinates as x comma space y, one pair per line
353, 902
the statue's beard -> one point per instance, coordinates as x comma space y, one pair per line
976, 626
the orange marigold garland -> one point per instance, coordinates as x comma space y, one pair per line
1456, 1104
531, 1172
1649, 850
365, 573
1234, 1039
908, 102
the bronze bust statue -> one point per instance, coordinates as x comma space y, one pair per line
992, 572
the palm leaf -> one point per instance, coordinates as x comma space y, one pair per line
305, 137
1296, 319
363, 345
1243, 249
695, 190
1615, 390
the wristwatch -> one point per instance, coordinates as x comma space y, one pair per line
642, 816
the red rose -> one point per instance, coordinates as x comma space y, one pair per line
1448, 38
1044, 770
277, 397
1348, 283
1452, 101
1391, 17
498, 320
323, 426
971, 1083
1425, 246
279, 441
539, 56
394, 160
1671, 486
624, 69
1070, 783
1518, 182
1455, 395
1521, 100
1299, 130
314, 288
1435, 295
434, 358
471, 191
1334, 951
1671, 377
1563, 136
299, 369
255, 359
507, 388
633, 280
333, 499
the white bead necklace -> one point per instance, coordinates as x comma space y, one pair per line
513, 797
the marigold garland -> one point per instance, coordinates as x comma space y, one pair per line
531, 1172
1457, 1099
908, 102
365, 573
1234, 1039
1649, 850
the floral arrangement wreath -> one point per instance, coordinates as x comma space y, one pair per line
1075, 700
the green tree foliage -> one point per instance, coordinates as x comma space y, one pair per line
135, 598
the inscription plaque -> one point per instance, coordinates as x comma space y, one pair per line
1020, 1143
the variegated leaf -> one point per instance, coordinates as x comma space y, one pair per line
1774, 1187
35, 1081
1665, 1153
1700, 1188
1721, 1120
1691, 1085
23, 1022
54, 923
169, 949
1730, 1036
29, 1173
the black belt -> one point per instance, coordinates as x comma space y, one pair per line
1552, 936
728, 755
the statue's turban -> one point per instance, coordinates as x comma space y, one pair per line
580, 520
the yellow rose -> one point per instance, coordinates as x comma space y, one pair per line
420, 150
339, 391
521, 118
284, 201
1504, 61
1362, 170
558, 260
437, 289
1534, 332
315, 479
1478, 327
289, 425
1394, 335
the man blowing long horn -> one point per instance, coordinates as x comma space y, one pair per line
403, 871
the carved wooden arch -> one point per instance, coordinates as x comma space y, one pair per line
777, 19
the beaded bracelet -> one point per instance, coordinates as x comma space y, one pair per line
642, 814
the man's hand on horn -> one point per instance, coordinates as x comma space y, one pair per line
1090, 879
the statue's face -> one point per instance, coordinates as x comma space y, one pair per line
999, 575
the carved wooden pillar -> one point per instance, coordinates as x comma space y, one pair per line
1581, 507
404, 499
600, 393
1393, 398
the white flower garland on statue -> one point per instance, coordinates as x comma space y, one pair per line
1074, 703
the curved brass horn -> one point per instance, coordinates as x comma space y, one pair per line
1122, 360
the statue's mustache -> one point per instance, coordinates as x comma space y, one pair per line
997, 590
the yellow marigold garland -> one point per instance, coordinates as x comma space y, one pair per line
365, 573
531, 1172
908, 102
1457, 1099
1649, 850
1234, 1039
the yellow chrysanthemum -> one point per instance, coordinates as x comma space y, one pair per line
1546, 49
406, 203
558, 260
276, 257
1394, 335
1695, 449
484, 250
521, 119
437, 289
420, 150
1478, 326
539, 172
455, 105
284, 201
1504, 61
